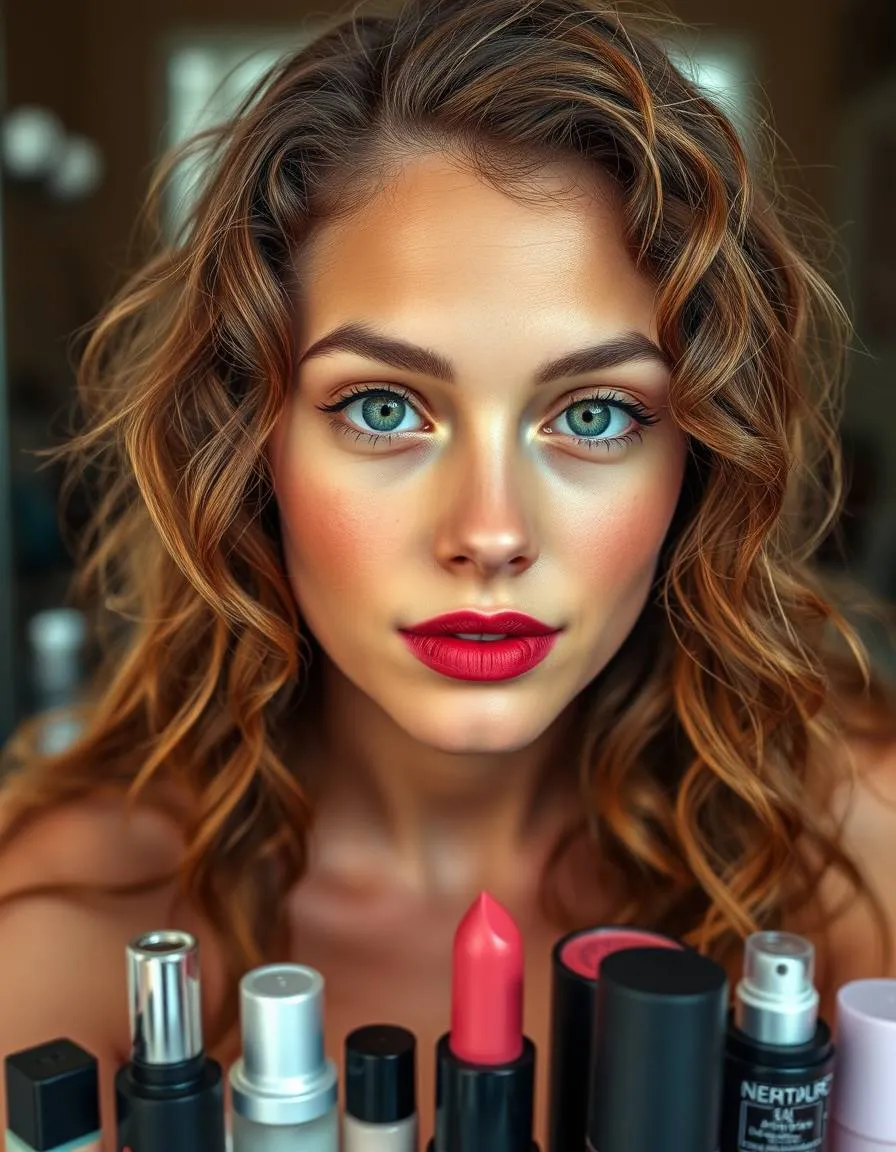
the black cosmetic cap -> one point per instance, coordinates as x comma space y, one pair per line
481, 1107
657, 1068
572, 1023
52, 1094
380, 1074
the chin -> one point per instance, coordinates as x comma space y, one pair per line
466, 729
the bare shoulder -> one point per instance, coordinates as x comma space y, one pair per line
62, 969
94, 842
863, 811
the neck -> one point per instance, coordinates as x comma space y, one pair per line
439, 822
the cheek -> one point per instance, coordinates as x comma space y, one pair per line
618, 553
336, 538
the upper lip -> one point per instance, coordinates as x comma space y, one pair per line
498, 624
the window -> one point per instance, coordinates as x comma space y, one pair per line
206, 78
724, 69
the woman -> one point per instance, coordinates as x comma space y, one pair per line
481, 311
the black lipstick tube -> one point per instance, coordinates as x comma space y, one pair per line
779, 1060
484, 1108
658, 1052
169, 1097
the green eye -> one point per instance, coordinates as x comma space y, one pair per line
588, 417
378, 412
383, 413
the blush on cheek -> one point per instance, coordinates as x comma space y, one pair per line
619, 556
340, 540
320, 527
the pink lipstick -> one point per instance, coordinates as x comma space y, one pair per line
474, 646
485, 1066
487, 986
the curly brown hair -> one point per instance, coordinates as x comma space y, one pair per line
705, 729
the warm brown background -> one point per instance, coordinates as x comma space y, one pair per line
98, 64
827, 69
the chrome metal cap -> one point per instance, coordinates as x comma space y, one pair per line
164, 997
283, 1076
776, 1001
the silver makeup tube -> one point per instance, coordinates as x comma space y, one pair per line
283, 1087
164, 995
169, 1096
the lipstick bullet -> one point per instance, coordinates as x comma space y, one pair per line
485, 1066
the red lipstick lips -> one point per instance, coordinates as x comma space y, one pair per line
485, 1066
473, 646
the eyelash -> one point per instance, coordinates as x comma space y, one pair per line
638, 412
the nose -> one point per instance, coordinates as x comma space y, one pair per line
486, 525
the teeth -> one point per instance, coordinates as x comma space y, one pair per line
479, 636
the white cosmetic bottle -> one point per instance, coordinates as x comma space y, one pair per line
283, 1088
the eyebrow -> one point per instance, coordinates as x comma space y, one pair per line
363, 341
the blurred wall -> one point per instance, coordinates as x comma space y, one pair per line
98, 64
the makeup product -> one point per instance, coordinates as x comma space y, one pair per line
169, 1097
474, 646
283, 1088
52, 1099
485, 1066
576, 961
658, 1049
863, 1104
380, 1090
779, 1056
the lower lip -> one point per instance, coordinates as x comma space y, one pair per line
576, 968
483, 660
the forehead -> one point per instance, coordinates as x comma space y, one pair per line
437, 242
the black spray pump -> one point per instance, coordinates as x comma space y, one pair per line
779, 1056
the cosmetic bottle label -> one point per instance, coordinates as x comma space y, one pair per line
776, 1118
589, 1147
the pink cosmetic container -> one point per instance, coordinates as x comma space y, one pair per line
864, 1103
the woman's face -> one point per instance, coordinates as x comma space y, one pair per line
444, 450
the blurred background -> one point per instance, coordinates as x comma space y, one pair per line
94, 90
